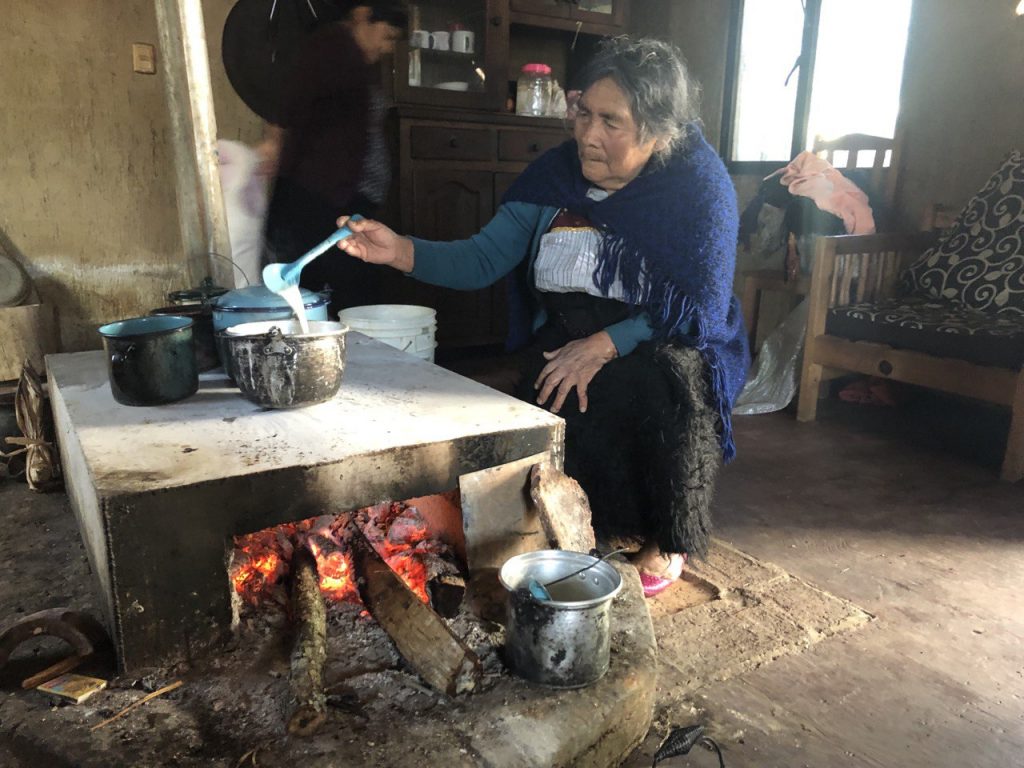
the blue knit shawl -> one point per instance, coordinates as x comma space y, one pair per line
675, 224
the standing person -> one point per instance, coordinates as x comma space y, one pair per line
625, 239
333, 158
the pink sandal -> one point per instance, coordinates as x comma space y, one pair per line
654, 585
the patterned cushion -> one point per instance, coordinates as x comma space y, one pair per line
944, 329
980, 263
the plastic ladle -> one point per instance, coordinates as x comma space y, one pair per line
540, 591
281, 277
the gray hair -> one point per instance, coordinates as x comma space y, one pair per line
664, 100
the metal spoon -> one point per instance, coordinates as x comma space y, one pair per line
540, 591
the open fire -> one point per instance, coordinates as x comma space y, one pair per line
398, 532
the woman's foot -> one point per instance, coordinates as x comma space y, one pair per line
658, 571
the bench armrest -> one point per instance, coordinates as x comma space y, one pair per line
850, 269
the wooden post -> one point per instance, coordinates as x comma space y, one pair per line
185, 68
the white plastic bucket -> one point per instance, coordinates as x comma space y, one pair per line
403, 326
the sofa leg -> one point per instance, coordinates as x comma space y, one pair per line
810, 384
1013, 459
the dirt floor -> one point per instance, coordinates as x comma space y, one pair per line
878, 622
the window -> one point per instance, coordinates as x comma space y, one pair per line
800, 69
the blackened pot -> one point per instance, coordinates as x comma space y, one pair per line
202, 331
151, 360
276, 365
564, 642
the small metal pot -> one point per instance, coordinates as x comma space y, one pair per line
564, 642
276, 365
151, 360
202, 331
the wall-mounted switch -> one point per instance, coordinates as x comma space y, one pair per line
143, 58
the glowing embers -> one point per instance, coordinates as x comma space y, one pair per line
260, 563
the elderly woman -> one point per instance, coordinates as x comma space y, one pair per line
622, 242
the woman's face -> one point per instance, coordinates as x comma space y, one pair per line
608, 138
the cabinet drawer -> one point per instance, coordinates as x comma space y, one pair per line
527, 145
429, 142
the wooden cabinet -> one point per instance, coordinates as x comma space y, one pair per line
590, 16
459, 149
453, 52
453, 176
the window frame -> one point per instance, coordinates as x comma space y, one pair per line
805, 76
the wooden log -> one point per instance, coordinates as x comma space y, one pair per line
423, 639
309, 648
54, 670
563, 508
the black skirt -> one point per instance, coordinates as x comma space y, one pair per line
624, 451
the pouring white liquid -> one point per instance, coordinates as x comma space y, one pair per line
293, 295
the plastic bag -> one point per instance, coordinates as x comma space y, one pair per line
773, 382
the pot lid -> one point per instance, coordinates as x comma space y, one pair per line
15, 284
260, 297
203, 292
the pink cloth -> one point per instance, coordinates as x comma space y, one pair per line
810, 176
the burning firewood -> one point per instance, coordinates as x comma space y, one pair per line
421, 636
309, 649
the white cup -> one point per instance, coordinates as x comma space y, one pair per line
419, 38
440, 41
462, 41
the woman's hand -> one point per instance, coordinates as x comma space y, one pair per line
574, 365
375, 243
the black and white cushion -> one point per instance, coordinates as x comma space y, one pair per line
980, 263
940, 328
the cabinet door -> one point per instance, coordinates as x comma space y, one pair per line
451, 205
559, 9
609, 12
455, 54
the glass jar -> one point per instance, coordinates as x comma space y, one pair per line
533, 90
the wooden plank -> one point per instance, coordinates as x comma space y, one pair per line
497, 517
27, 332
423, 639
563, 507
994, 385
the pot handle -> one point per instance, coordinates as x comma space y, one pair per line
119, 357
275, 344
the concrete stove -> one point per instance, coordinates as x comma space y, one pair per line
160, 492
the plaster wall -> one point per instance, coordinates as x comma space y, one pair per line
962, 105
87, 200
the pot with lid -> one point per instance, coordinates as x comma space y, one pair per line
204, 293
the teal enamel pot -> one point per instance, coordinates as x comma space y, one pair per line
151, 360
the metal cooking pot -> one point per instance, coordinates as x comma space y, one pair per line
202, 331
564, 642
257, 303
151, 360
276, 365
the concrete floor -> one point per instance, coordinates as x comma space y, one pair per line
921, 535
908, 525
